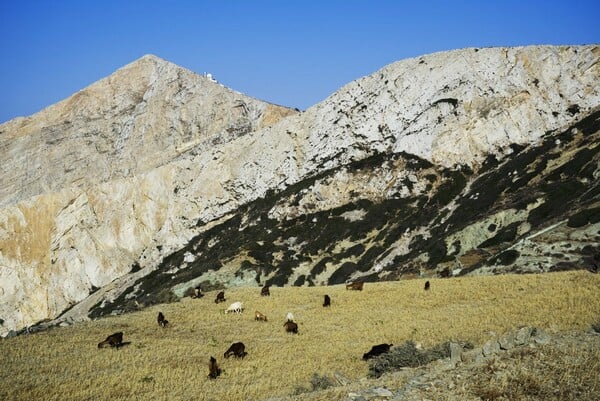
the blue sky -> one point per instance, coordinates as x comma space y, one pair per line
286, 52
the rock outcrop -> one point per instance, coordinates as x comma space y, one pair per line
157, 179
450, 377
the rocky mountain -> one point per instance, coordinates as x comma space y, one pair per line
155, 180
90, 183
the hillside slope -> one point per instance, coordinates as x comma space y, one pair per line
171, 363
475, 160
536, 211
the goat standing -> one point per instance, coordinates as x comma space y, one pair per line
213, 369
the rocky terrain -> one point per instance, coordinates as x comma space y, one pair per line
526, 364
155, 180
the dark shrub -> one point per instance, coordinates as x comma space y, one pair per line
584, 217
343, 273
406, 355
505, 258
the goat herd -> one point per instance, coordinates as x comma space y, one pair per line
238, 349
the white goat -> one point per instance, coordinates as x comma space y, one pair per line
236, 307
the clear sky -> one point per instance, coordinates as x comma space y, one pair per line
293, 53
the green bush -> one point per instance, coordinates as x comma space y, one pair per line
166, 296
317, 382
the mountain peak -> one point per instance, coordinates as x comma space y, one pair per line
150, 104
151, 59
145, 68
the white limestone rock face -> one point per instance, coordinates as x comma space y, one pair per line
139, 118
455, 107
121, 173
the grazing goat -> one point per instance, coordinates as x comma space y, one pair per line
236, 307
237, 350
220, 297
291, 327
162, 322
259, 316
327, 301
377, 350
427, 285
114, 340
357, 285
265, 292
198, 293
213, 369
289, 317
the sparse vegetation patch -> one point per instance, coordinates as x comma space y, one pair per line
549, 373
407, 355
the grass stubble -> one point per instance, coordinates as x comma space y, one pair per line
171, 364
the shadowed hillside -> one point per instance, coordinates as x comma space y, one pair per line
535, 211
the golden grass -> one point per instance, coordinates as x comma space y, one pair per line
569, 372
171, 364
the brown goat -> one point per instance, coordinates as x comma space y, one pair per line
220, 297
237, 350
213, 369
427, 285
162, 322
114, 340
327, 301
265, 292
291, 327
356, 285
259, 316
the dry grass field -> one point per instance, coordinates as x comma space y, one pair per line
171, 364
